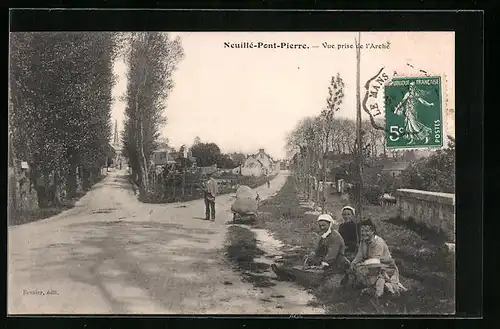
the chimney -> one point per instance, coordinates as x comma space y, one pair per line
261, 150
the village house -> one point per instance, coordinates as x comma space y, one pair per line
160, 157
395, 168
238, 158
285, 165
257, 165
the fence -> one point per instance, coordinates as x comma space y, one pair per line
188, 186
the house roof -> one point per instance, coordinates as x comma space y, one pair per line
261, 151
396, 166
237, 156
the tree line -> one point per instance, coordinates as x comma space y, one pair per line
60, 86
324, 149
152, 58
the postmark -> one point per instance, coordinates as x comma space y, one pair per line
413, 112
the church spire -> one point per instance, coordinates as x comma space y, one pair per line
116, 140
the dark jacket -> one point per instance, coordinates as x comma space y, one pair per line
349, 232
330, 248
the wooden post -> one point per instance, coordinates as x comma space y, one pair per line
359, 150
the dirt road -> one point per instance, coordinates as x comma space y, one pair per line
112, 254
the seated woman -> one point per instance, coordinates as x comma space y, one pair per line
373, 267
349, 231
327, 259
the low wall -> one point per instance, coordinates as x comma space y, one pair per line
435, 210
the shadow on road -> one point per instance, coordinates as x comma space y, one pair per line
242, 251
166, 261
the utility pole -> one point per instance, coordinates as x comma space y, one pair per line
359, 157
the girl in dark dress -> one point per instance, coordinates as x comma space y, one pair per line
349, 231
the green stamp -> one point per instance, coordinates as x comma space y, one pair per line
413, 113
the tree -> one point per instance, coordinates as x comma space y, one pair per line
206, 154
342, 139
60, 86
435, 173
163, 142
151, 57
333, 101
373, 139
304, 140
224, 161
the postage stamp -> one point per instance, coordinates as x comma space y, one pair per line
413, 112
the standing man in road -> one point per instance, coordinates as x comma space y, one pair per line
210, 191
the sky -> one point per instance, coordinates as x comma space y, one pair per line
247, 99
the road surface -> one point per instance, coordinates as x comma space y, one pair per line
111, 254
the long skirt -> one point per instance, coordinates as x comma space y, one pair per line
378, 279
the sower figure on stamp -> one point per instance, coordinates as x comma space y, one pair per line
328, 258
414, 129
210, 191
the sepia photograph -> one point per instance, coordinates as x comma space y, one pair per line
241, 173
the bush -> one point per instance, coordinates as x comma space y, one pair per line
254, 182
23, 217
372, 194
435, 173
173, 191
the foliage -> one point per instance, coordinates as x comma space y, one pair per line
152, 58
435, 173
60, 103
181, 186
224, 161
209, 154
206, 154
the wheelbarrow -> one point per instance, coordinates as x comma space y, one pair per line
247, 217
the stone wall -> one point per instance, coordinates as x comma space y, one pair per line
435, 210
22, 195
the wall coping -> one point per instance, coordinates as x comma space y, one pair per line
445, 198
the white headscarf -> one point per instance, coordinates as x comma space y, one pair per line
327, 218
349, 208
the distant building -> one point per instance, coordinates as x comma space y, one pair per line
160, 157
334, 160
259, 164
116, 152
284, 165
209, 170
395, 168
238, 158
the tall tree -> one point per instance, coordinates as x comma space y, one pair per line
152, 57
61, 95
333, 102
197, 140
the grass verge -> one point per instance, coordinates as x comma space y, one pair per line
28, 216
425, 269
